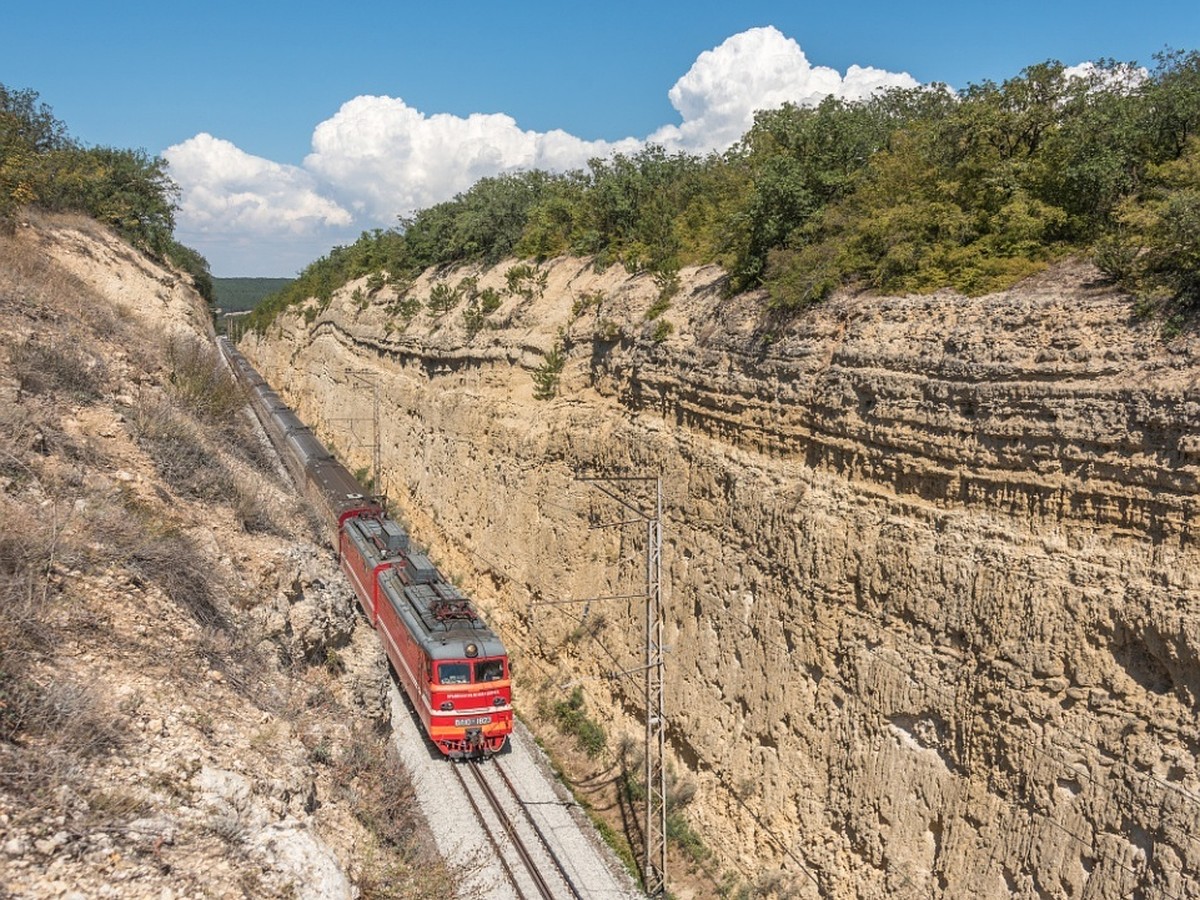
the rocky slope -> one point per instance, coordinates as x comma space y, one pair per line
188, 705
930, 562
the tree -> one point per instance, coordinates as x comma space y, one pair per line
1163, 227
28, 131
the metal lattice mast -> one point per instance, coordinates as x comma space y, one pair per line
370, 378
656, 730
655, 829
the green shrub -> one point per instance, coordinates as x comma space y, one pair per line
657, 308
546, 376
405, 308
585, 302
376, 282
526, 280
443, 298
571, 719
478, 308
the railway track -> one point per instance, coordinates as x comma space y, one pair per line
525, 853
470, 834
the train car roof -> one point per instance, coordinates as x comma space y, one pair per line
338, 486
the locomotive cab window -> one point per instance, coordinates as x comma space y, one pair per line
489, 670
454, 673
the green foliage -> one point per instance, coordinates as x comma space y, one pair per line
483, 224
28, 134
376, 251
657, 308
479, 306
909, 191
553, 221
525, 280
128, 190
375, 282
489, 300
668, 284
545, 377
1157, 255
585, 302
243, 294
686, 838
125, 189
405, 309
631, 205
571, 719
443, 298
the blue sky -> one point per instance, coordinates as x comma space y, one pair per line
254, 103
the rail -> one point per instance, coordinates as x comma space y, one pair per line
497, 822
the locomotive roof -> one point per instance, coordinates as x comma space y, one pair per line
440, 617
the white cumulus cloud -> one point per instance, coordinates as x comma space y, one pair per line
378, 158
757, 69
1122, 76
384, 157
226, 188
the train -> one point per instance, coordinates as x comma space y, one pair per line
451, 665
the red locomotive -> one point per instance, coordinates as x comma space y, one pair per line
453, 668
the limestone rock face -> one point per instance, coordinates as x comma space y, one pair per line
930, 563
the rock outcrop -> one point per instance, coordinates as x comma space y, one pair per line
930, 563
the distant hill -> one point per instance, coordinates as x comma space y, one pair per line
237, 294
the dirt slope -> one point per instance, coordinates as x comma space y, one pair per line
188, 707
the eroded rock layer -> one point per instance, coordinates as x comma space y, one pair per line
930, 563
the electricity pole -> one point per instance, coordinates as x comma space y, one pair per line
371, 378
649, 512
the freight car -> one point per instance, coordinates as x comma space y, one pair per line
451, 665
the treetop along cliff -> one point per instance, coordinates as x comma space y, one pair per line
128, 190
910, 191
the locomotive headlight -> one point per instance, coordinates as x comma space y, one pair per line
472, 650
499, 701
447, 705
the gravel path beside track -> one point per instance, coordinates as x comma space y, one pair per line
591, 866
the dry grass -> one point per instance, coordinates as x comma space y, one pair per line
200, 383
84, 555
183, 451
50, 723
370, 776
59, 368
153, 550
202, 389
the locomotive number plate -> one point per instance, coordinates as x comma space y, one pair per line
477, 720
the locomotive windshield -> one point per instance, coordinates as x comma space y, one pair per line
489, 670
454, 673
460, 672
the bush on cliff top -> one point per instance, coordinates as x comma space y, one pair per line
910, 190
128, 190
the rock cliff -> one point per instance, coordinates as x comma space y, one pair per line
930, 563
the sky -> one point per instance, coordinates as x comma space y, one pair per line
292, 127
